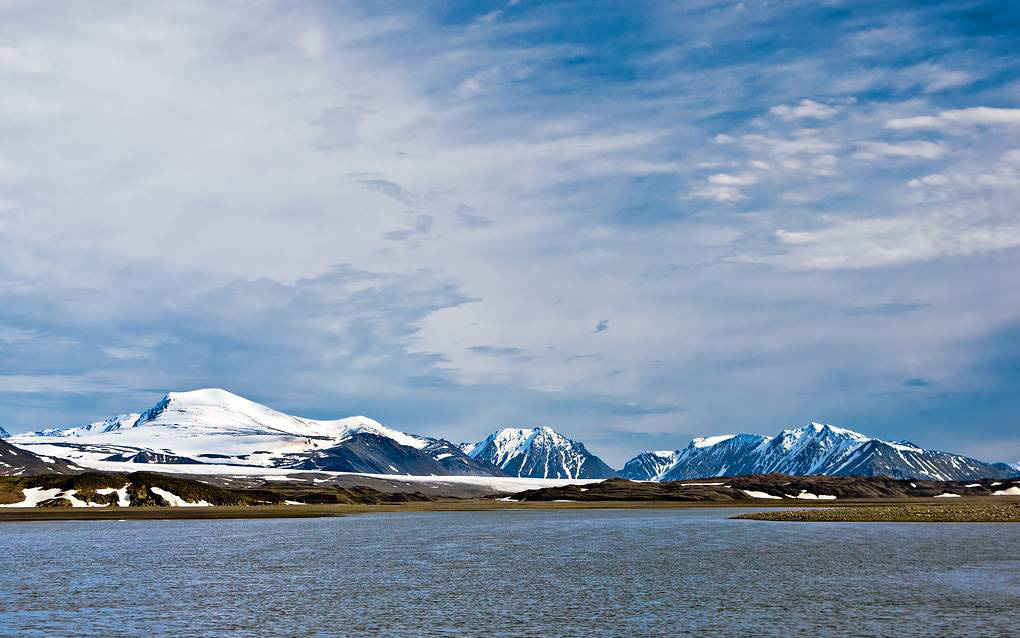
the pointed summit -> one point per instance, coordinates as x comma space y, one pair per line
538, 452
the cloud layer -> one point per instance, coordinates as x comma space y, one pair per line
636, 223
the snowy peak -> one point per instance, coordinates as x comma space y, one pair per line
709, 441
217, 426
509, 442
818, 448
216, 410
538, 452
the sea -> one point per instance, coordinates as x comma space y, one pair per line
495, 574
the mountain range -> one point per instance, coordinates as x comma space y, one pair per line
216, 427
814, 449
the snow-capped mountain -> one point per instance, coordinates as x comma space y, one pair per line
649, 466
538, 453
727, 454
819, 449
215, 426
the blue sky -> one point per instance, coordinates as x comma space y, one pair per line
636, 222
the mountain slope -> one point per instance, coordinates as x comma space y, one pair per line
15, 461
649, 466
725, 455
372, 454
819, 449
4, 433
539, 452
215, 426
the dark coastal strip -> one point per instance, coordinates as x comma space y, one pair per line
466, 505
19, 514
1008, 512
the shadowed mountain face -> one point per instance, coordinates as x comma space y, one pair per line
374, 454
538, 453
15, 461
813, 450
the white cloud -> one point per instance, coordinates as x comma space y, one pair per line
724, 187
871, 242
16, 61
312, 42
804, 109
976, 116
914, 149
725, 179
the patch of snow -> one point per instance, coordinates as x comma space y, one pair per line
709, 441
702, 484
946, 495
563, 500
46, 459
804, 494
442, 456
34, 496
754, 494
973, 485
292, 503
902, 447
1009, 491
176, 501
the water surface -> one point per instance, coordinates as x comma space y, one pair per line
585, 573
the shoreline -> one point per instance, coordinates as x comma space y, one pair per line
969, 512
870, 510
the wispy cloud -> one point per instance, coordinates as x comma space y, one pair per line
975, 116
804, 109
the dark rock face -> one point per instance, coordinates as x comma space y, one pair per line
731, 457
456, 463
16, 461
372, 454
877, 458
151, 457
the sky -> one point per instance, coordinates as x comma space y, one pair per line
635, 222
